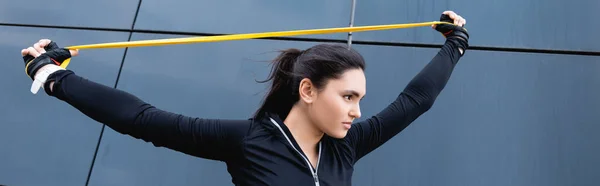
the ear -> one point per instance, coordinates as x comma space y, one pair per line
308, 91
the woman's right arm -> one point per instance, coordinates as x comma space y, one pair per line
125, 113
215, 139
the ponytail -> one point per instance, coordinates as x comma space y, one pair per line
318, 63
284, 88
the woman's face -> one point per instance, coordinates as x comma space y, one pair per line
335, 106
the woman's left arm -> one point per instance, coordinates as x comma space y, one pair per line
418, 96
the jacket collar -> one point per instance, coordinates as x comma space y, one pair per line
277, 127
273, 122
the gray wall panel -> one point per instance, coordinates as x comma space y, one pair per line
238, 16
88, 13
45, 141
547, 24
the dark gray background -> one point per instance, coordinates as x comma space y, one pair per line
505, 118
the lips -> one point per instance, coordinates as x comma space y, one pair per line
347, 125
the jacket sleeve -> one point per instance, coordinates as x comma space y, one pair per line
416, 99
215, 139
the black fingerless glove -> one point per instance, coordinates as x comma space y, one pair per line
54, 55
453, 33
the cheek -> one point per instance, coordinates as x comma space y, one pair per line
330, 111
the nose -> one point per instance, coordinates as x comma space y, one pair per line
355, 112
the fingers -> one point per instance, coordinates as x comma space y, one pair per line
74, 52
450, 13
458, 20
44, 42
39, 48
33, 52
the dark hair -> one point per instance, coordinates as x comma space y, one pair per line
318, 63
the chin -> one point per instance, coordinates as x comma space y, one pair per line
339, 134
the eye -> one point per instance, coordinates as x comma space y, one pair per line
348, 97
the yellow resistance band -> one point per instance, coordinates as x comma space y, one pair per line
187, 40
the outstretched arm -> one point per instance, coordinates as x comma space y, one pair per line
416, 99
127, 114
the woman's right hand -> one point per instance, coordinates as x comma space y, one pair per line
43, 53
44, 56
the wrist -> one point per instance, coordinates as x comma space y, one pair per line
460, 42
41, 76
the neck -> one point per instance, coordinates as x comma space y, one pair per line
307, 135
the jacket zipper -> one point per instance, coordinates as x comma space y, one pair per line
314, 172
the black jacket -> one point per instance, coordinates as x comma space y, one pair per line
258, 151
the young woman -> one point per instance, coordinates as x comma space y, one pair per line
301, 135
